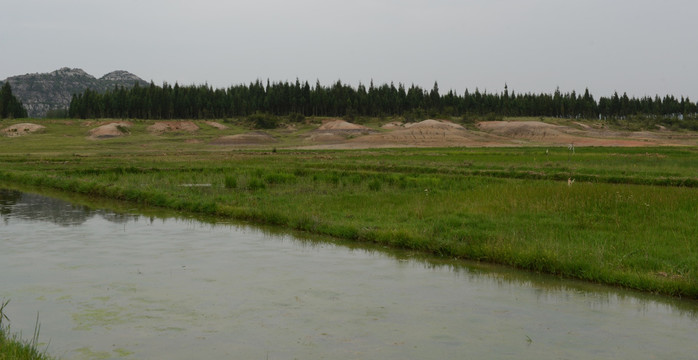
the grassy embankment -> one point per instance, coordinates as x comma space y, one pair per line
629, 219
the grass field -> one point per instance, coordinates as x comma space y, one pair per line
628, 219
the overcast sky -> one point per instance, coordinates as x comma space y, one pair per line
640, 47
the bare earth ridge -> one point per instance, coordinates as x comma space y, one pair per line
442, 133
340, 134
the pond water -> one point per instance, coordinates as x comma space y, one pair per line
128, 285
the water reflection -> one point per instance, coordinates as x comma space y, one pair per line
34, 207
547, 288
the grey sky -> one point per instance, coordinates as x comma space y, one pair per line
639, 46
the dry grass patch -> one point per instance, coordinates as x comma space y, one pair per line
250, 138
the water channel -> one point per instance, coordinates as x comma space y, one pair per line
128, 284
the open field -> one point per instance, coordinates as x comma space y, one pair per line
494, 191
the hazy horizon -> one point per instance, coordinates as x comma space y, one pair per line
642, 48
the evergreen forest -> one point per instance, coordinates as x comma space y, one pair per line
284, 98
10, 107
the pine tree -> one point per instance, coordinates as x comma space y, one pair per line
10, 107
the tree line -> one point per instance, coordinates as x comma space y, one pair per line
338, 99
10, 107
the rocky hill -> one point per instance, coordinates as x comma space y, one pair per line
40, 93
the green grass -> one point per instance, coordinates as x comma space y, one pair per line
627, 220
12, 346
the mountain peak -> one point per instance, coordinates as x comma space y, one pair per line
121, 75
41, 92
66, 71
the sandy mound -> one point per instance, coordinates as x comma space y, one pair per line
537, 132
434, 124
251, 138
341, 125
417, 136
22, 129
430, 133
172, 126
440, 133
110, 130
523, 129
336, 131
216, 125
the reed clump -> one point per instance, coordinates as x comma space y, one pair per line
12, 346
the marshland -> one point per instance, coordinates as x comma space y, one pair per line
627, 219
622, 216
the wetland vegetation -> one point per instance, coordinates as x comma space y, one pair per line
628, 219
13, 346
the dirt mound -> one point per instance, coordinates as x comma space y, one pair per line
22, 129
523, 129
429, 137
434, 124
173, 126
336, 131
437, 133
216, 125
251, 138
341, 125
540, 133
110, 130
430, 133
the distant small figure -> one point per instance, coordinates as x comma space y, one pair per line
546, 151
570, 181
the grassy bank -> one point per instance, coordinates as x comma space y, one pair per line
628, 219
12, 346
